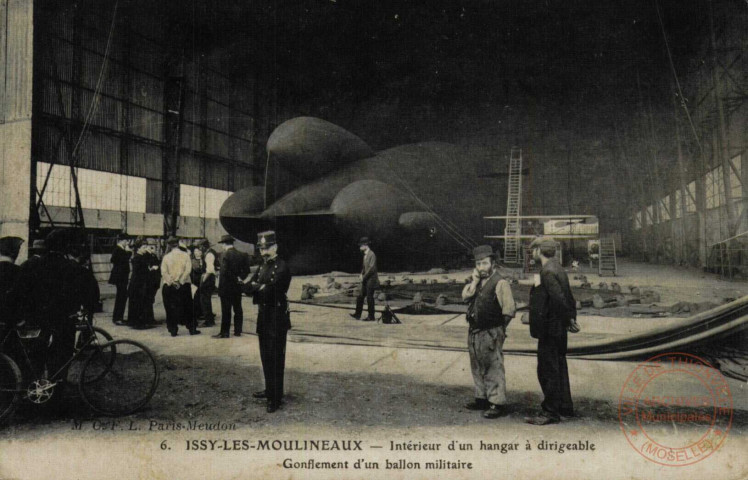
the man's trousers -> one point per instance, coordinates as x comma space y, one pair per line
553, 376
273, 356
229, 302
487, 364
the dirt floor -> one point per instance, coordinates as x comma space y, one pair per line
356, 380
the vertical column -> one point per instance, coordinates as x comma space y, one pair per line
16, 68
173, 105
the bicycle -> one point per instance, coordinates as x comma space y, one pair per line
114, 378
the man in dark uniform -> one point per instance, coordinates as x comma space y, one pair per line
234, 269
369, 282
552, 314
268, 288
49, 291
120, 273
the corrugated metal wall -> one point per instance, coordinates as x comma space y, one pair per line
125, 130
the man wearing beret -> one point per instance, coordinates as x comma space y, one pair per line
552, 313
268, 288
369, 282
234, 269
490, 309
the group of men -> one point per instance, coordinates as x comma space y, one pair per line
230, 276
51, 286
491, 307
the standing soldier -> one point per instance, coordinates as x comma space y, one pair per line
120, 273
490, 309
369, 282
234, 269
176, 268
268, 288
208, 283
552, 313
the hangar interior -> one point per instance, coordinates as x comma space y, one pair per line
634, 114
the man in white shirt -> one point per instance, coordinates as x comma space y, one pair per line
176, 268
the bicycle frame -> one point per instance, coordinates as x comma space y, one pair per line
18, 347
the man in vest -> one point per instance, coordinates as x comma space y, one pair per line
552, 314
490, 309
369, 282
268, 288
208, 283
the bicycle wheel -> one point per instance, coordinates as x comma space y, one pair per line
100, 337
99, 343
10, 386
121, 378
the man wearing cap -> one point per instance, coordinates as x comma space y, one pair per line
552, 314
369, 282
234, 269
176, 267
490, 309
120, 273
268, 288
208, 283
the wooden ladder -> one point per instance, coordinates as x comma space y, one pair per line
513, 229
607, 264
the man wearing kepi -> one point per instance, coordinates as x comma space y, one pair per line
369, 281
552, 313
268, 287
490, 309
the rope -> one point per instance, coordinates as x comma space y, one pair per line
451, 230
97, 90
677, 81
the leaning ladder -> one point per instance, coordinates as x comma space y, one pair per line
513, 229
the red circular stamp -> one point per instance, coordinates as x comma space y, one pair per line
675, 409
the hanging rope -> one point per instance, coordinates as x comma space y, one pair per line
94, 105
677, 81
452, 231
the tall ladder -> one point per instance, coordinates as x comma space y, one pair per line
513, 229
607, 264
